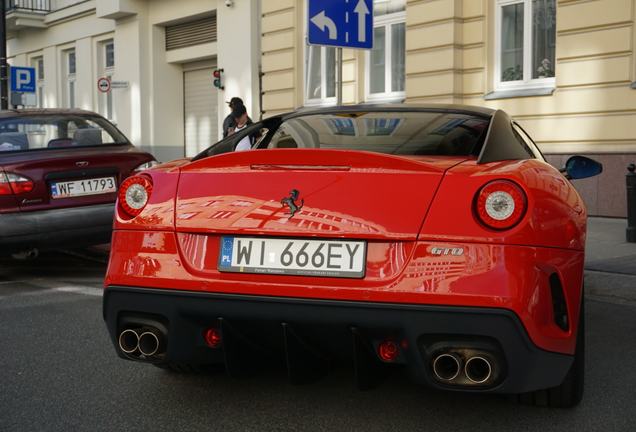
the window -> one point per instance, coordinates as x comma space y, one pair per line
109, 54
385, 62
106, 51
525, 43
38, 64
527, 141
38, 132
409, 133
320, 76
69, 82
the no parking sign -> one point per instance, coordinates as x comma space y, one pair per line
103, 84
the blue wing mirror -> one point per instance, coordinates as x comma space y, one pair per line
580, 167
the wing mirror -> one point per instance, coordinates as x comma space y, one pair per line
580, 167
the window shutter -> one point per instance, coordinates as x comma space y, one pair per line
191, 33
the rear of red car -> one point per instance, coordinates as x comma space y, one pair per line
59, 173
368, 237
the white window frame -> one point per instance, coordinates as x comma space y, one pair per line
39, 83
386, 21
323, 100
106, 99
70, 79
527, 82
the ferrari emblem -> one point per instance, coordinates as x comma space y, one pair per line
290, 202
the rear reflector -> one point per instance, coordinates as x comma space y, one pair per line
11, 183
212, 337
134, 193
388, 350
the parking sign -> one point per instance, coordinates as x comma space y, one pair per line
22, 79
341, 23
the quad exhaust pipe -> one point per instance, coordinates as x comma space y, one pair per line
464, 367
478, 370
149, 343
446, 367
142, 342
129, 341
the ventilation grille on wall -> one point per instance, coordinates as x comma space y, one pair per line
191, 33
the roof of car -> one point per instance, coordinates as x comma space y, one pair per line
481, 111
44, 111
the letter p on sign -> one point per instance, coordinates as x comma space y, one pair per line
23, 79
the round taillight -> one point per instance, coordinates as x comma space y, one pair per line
212, 337
388, 350
134, 193
500, 204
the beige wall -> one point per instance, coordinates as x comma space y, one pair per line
450, 59
449, 46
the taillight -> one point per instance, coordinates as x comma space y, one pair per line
500, 204
146, 166
134, 193
11, 183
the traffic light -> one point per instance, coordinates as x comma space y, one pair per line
218, 79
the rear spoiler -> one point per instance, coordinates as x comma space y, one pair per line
501, 143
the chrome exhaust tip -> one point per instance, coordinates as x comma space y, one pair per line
149, 343
129, 341
478, 370
446, 367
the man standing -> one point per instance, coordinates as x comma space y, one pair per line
229, 123
242, 121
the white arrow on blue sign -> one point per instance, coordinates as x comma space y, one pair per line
341, 23
22, 79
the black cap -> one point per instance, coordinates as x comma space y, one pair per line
235, 101
238, 111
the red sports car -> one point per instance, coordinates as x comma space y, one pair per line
434, 239
59, 174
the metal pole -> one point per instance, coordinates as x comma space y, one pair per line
631, 203
4, 87
339, 76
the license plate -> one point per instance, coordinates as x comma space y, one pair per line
323, 258
76, 188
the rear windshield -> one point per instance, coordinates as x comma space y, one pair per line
19, 134
398, 133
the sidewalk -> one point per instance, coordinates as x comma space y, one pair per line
606, 248
610, 262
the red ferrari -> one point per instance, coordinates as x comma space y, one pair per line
434, 239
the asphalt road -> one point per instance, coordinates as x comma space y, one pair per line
58, 372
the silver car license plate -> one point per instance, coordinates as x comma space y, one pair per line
95, 186
323, 258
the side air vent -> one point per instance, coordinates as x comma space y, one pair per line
191, 33
559, 306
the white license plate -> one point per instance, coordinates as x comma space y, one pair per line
326, 258
77, 188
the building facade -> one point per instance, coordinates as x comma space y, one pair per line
564, 69
160, 54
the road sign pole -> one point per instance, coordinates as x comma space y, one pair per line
339, 76
4, 76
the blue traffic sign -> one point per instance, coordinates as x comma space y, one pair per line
22, 79
341, 23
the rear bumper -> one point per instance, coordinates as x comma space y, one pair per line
68, 227
260, 321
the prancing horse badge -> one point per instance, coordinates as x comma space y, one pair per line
290, 202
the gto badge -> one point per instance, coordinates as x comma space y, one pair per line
81, 164
440, 251
290, 202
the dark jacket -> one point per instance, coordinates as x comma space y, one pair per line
230, 123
